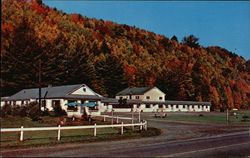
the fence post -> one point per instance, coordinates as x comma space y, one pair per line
112, 121
133, 121
117, 121
141, 126
122, 129
59, 133
21, 134
146, 126
104, 118
95, 130
140, 116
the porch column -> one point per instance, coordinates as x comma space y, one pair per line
174, 107
170, 107
134, 108
98, 104
208, 108
190, 108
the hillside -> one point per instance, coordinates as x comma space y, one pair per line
109, 57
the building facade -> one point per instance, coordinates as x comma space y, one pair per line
142, 94
59, 95
146, 99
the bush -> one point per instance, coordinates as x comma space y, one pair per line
23, 111
222, 109
15, 110
33, 111
19, 111
6, 110
45, 112
245, 116
59, 111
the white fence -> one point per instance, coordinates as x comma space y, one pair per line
122, 109
119, 117
59, 128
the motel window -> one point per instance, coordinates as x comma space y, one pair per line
71, 101
147, 105
160, 98
93, 108
22, 102
55, 102
147, 97
160, 106
137, 97
72, 108
83, 101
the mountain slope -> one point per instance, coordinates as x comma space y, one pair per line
110, 57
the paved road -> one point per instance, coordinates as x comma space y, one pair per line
191, 148
179, 139
237, 145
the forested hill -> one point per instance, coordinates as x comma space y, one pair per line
109, 57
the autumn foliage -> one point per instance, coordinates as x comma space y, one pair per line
109, 57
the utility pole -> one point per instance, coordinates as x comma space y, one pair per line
39, 80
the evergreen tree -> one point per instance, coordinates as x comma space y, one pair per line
191, 41
174, 38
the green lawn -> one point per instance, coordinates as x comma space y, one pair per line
37, 138
16, 122
244, 112
215, 118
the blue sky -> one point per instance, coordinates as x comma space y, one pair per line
216, 23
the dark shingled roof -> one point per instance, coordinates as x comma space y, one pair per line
52, 92
134, 91
167, 102
181, 102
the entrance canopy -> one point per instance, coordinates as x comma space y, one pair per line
90, 104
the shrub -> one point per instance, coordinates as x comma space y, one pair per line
19, 111
6, 110
15, 110
58, 110
23, 111
222, 109
45, 112
33, 111
245, 116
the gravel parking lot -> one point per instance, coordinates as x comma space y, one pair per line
179, 130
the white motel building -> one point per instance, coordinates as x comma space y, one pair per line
144, 99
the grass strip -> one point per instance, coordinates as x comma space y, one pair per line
40, 138
215, 118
